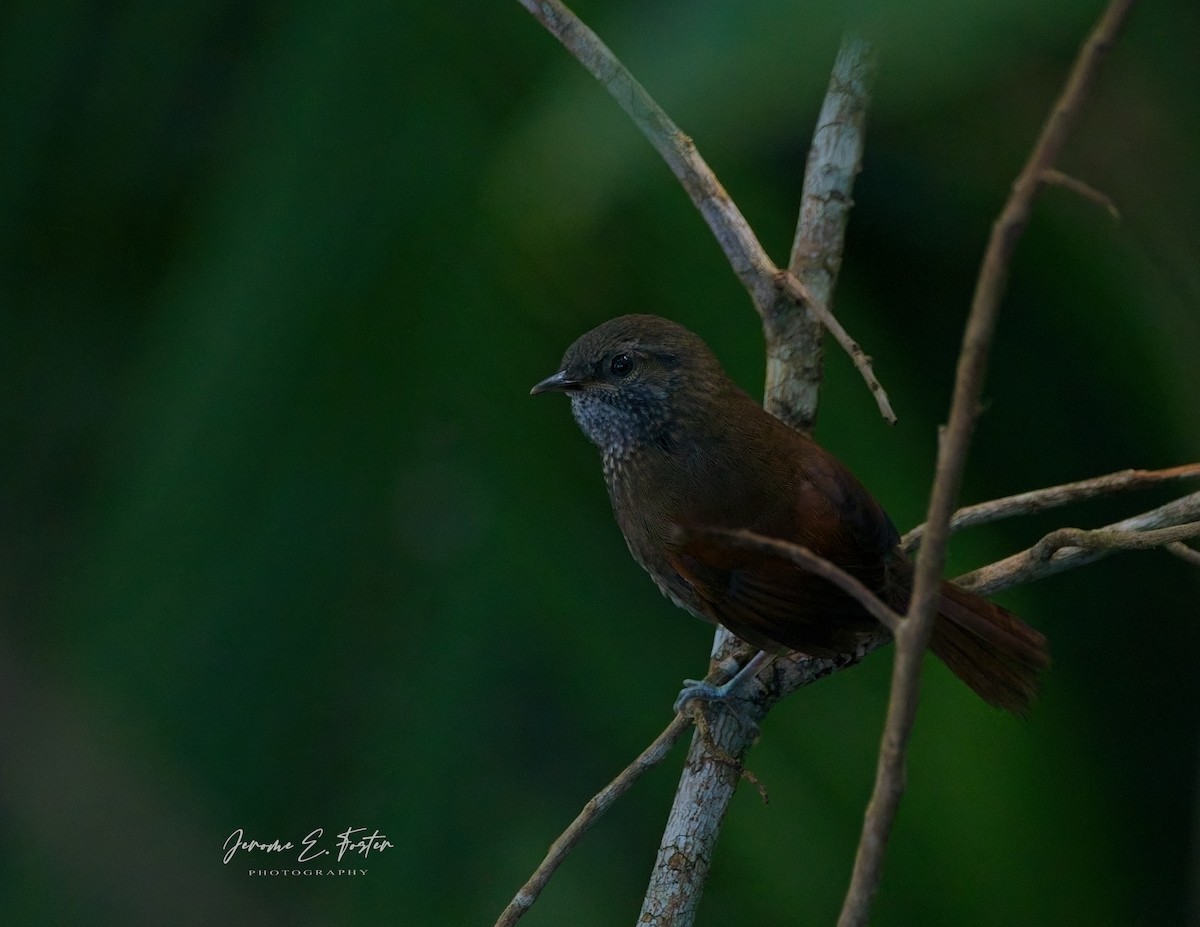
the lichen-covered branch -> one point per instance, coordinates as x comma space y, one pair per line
793, 334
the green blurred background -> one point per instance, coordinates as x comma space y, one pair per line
285, 543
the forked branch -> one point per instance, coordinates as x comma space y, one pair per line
1160, 527
766, 282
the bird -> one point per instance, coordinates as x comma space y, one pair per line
688, 456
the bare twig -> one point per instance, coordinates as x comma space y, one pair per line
1184, 553
805, 558
795, 292
647, 760
1075, 185
1030, 565
1039, 500
762, 279
913, 637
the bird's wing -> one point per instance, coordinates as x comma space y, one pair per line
767, 600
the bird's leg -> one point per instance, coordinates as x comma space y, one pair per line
707, 692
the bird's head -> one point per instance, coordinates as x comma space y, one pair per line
633, 380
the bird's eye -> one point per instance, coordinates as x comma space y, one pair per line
621, 364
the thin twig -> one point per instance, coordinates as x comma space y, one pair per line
796, 292
1087, 191
606, 797
750, 262
1184, 553
806, 559
1039, 500
913, 637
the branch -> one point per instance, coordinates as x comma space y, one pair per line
1078, 187
794, 293
779, 297
1185, 553
913, 637
1040, 500
765, 282
1111, 539
1049, 557
706, 787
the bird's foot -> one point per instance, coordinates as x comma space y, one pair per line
727, 695
731, 694
701, 691
707, 692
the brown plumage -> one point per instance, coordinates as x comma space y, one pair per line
684, 447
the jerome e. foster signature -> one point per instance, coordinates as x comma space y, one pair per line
351, 840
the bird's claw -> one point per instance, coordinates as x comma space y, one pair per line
699, 690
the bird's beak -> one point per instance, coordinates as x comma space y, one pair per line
557, 383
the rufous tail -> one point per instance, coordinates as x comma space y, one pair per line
990, 649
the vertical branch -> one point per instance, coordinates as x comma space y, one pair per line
793, 334
913, 637
707, 783
705, 790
